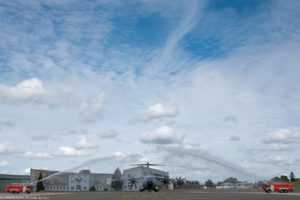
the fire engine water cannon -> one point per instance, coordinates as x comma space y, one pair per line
278, 187
16, 188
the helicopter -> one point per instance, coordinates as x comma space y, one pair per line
147, 181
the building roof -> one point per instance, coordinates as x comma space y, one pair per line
13, 176
85, 171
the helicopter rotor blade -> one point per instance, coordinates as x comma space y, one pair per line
147, 164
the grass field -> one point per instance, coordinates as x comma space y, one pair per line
297, 186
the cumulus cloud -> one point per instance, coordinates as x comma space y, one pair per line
123, 157
36, 155
66, 151
278, 159
6, 124
90, 110
159, 110
234, 138
231, 119
78, 148
83, 143
284, 136
267, 148
278, 147
7, 148
120, 156
110, 134
4, 163
162, 135
40, 137
75, 132
27, 171
28, 90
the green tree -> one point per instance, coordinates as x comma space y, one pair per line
275, 179
284, 178
117, 182
40, 184
179, 182
292, 177
92, 188
231, 180
209, 183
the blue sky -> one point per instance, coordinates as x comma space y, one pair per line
208, 88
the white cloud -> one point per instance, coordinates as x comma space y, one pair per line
188, 21
279, 160
275, 158
27, 171
119, 156
75, 132
40, 137
91, 109
234, 138
229, 119
28, 90
278, 147
6, 124
36, 155
83, 143
283, 136
7, 148
159, 110
123, 157
4, 163
110, 134
66, 151
162, 135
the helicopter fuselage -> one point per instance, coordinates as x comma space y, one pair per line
149, 183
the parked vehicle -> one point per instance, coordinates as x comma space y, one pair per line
18, 188
278, 187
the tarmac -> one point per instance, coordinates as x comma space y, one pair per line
162, 195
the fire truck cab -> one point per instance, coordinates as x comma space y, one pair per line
18, 187
278, 187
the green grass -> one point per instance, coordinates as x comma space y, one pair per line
297, 186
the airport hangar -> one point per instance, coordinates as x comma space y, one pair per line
139, 173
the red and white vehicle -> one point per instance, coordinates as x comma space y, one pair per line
18, 187
278, 187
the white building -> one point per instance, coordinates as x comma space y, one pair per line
139, 173
226, 185
70, 181
243, 185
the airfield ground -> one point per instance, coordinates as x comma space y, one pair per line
173, 195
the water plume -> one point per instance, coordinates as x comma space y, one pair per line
118, 157
196, 154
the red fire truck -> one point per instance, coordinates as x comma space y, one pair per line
278, 187
18, 187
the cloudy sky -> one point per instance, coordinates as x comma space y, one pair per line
208, 88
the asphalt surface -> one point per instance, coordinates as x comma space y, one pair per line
173, 195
